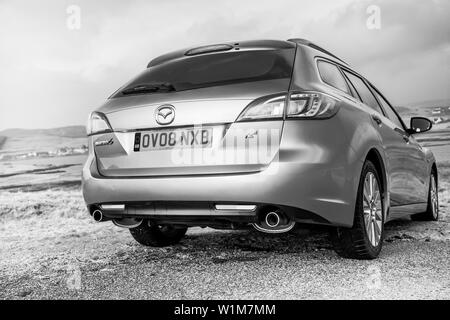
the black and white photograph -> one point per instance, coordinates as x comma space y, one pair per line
210, 152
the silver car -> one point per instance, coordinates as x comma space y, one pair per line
257, 133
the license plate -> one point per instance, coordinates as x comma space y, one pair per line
171, 139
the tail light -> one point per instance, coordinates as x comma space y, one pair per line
311, 105
98, 123
269, 107
302, 105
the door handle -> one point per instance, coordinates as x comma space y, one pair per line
377, 119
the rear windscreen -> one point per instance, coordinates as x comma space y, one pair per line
217, 69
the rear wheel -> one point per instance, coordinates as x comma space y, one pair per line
432, 213
364, 239
157, 235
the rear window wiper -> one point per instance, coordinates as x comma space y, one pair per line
148, 88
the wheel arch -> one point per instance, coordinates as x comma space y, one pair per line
375, 156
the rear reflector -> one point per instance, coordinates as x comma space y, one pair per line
118, 207
243, 207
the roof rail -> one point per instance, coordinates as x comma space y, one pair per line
315, 46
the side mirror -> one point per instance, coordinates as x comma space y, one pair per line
419, 124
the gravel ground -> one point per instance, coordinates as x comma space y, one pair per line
49, 252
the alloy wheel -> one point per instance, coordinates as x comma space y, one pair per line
373, 220
434, 197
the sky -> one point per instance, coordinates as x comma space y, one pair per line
54, 70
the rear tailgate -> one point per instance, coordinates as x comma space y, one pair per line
202, 139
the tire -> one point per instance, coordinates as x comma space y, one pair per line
365, 239
432, 213
157, 235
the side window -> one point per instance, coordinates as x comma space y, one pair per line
363, 91
390, 113
331, 75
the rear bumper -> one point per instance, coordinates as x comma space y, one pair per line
318, 193
200, 213
314, 179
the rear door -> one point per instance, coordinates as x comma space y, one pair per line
402, 158
415, 165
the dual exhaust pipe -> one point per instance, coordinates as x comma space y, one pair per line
269, 221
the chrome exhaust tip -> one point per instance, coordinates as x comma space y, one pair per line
97, 215
272, 219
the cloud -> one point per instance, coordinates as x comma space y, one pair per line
53, 76
406, 29
408, 58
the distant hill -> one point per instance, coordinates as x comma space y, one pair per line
2, 141
67, 132
432, 103
424, 108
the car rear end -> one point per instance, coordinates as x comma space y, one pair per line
199, 138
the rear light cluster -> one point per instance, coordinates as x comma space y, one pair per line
304, 105
264, 108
